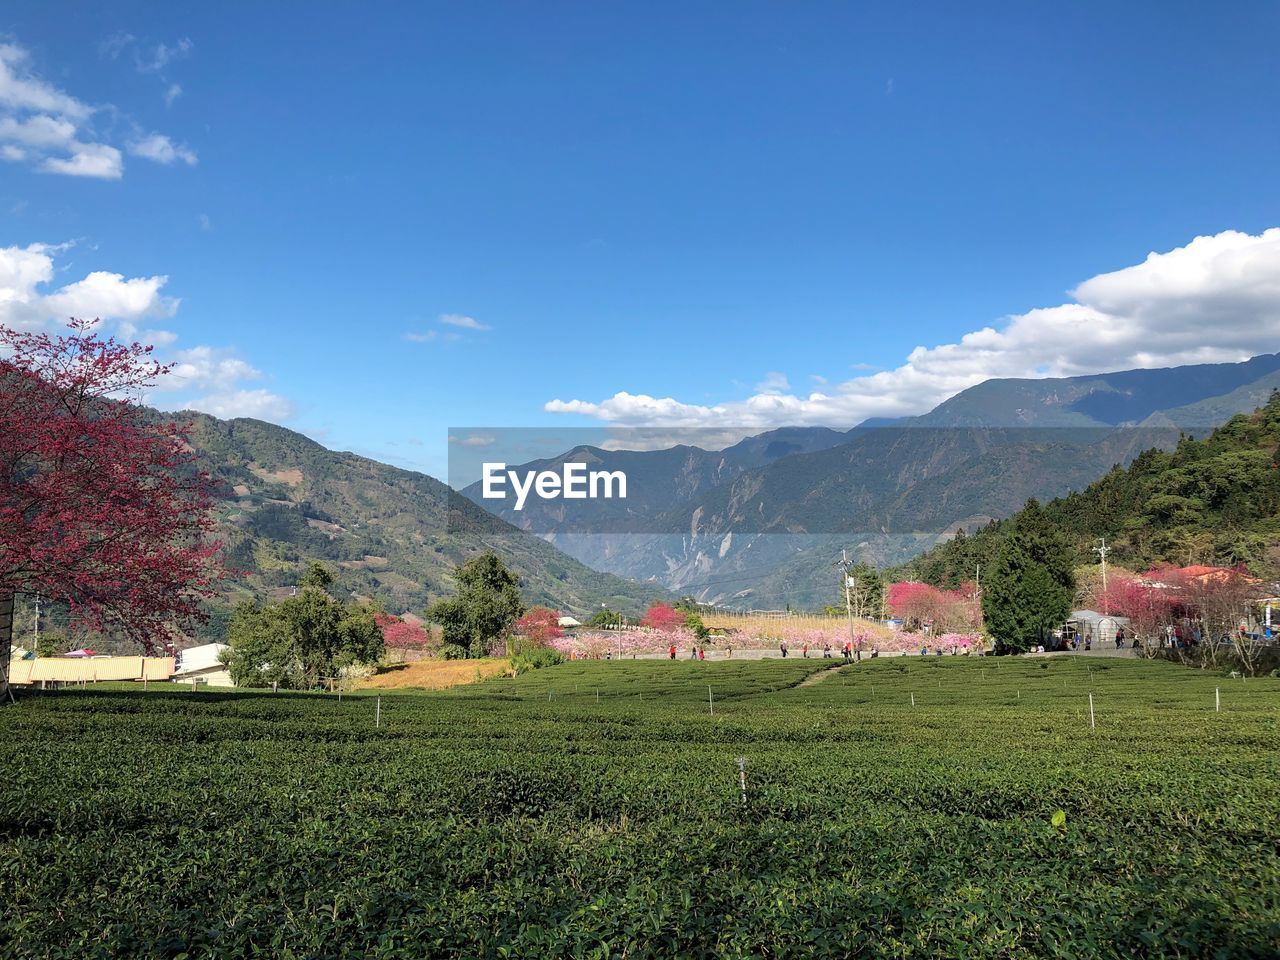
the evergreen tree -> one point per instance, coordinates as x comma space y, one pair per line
867, 593
1028, 589
483, 611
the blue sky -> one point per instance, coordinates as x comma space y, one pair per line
683, 214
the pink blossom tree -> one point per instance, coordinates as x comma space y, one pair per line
102, 505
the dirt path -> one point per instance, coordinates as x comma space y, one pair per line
821, 675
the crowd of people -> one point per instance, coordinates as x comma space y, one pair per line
849, 650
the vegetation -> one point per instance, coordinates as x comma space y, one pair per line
102, 508
1028, 589
479, 619
302, 640
1210, 501
594, 810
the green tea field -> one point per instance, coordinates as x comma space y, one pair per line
950, 807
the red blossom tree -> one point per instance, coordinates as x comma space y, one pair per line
400, 634
663, 617
919, 603
101, 503
541, 625
1147, 605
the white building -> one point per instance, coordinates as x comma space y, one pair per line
202, 664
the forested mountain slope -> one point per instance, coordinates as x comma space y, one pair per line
1210, 501
391, 534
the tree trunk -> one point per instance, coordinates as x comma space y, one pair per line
6, 641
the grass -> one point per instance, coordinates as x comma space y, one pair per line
595, 810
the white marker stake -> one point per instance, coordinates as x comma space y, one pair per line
913, 699
1092, 724
1217, 701
711, 703
377, 713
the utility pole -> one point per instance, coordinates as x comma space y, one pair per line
1102, 550
844, 563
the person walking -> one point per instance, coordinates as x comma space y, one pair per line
671, 652
783, 648
805, 650
702, 654
826, 650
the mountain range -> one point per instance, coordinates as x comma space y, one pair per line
283, 500
760, 523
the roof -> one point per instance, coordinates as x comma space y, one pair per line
1093, 616
570, 622
203, 657
1202, 573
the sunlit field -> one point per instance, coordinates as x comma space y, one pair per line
895, 808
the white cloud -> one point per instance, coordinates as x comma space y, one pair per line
172, 93
774, 382
22, 91
458, 320
52, 131
258, 404
25, 304
202, 378
162, 54
208, 368
211, 380
97, 160
447, 336
161, 149
475, 440
1217, 299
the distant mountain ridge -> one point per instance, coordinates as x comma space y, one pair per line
739, 525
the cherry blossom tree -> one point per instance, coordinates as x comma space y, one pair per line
1147, 605
540, 625
920, 603
101, 503
401, 635
663, 617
